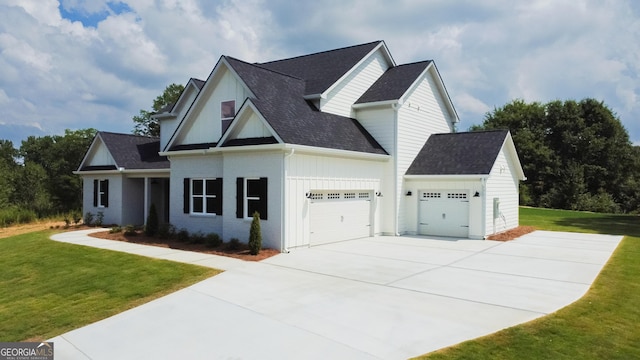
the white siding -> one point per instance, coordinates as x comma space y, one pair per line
167, 127
380, 122
251, 128
502, 184
204, 123
205, 166
100, 155
113, 213
410, 203
307, 173
344, 95
422, 114
254, 165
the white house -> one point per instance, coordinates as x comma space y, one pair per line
330, 146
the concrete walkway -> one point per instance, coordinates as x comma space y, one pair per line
373, 298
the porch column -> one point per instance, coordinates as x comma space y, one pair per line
146, 200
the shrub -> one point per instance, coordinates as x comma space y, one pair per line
67, 221
255, 235
99, 218
233, 244
16, 215
166, 231
182, 235
197, 238
88, 219
77, 216
130, 230
115, 230
213, 240
152, 222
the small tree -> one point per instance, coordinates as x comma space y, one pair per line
152, 222
255, 235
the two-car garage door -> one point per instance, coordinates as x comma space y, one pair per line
444, 213
339, 215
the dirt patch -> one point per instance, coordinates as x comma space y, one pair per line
30, 227
242, 252
512, 234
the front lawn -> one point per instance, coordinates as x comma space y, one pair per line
601, 325
48, 288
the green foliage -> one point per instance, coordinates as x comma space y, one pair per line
197, 238
77, 217
16, 215
255, 235
151, 228
48, 288
213, 240
99, 218
115, 230
130, 230
182, 235
88, 218
233, 244
144, 124
166, 231
573, 153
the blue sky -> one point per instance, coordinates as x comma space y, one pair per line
75, 64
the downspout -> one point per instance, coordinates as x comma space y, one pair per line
283, 200
484, 207
396, 200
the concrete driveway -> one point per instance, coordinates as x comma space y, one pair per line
382, 297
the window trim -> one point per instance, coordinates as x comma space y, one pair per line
101, 193
204, 197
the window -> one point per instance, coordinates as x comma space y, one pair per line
251, 196
101, 193
203, 196
227, 112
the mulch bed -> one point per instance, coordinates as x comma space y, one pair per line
512, 234
241, 253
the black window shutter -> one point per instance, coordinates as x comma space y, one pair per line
263, 198
217, 183
95, 193
239, 197
105, 190
186, 196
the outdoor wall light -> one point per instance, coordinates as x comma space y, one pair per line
379, 194
308, 195
477, 194
408, 193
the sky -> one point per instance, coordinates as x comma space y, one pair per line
76, 64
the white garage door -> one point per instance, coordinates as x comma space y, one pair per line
339, 215
444, 213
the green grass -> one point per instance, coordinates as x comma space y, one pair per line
48, 288
601, 325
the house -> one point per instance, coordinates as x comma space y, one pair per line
330, 146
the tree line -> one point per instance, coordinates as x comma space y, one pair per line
576, 155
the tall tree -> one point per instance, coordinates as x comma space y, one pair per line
144, 124
576, 155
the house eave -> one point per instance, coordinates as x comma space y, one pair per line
121, 170
376, 104
447, 177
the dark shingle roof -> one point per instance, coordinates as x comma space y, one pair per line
394, 82
468, 153
279, 98
133, 152
199, 83
323, 69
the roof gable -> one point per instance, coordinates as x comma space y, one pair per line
394, 83
131, 152
324, 69
249, 128
468, 153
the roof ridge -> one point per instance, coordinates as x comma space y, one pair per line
320, 52
257, 65
412, 63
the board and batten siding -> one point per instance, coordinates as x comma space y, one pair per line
100, 156
340, 99
411, 203
169, 125
205, 124
252, 127
422, 114
306, 173
194, 167
502, 184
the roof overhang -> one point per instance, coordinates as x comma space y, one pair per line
122, 170
447, 177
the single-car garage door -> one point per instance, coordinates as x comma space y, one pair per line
444, 213
339, 215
